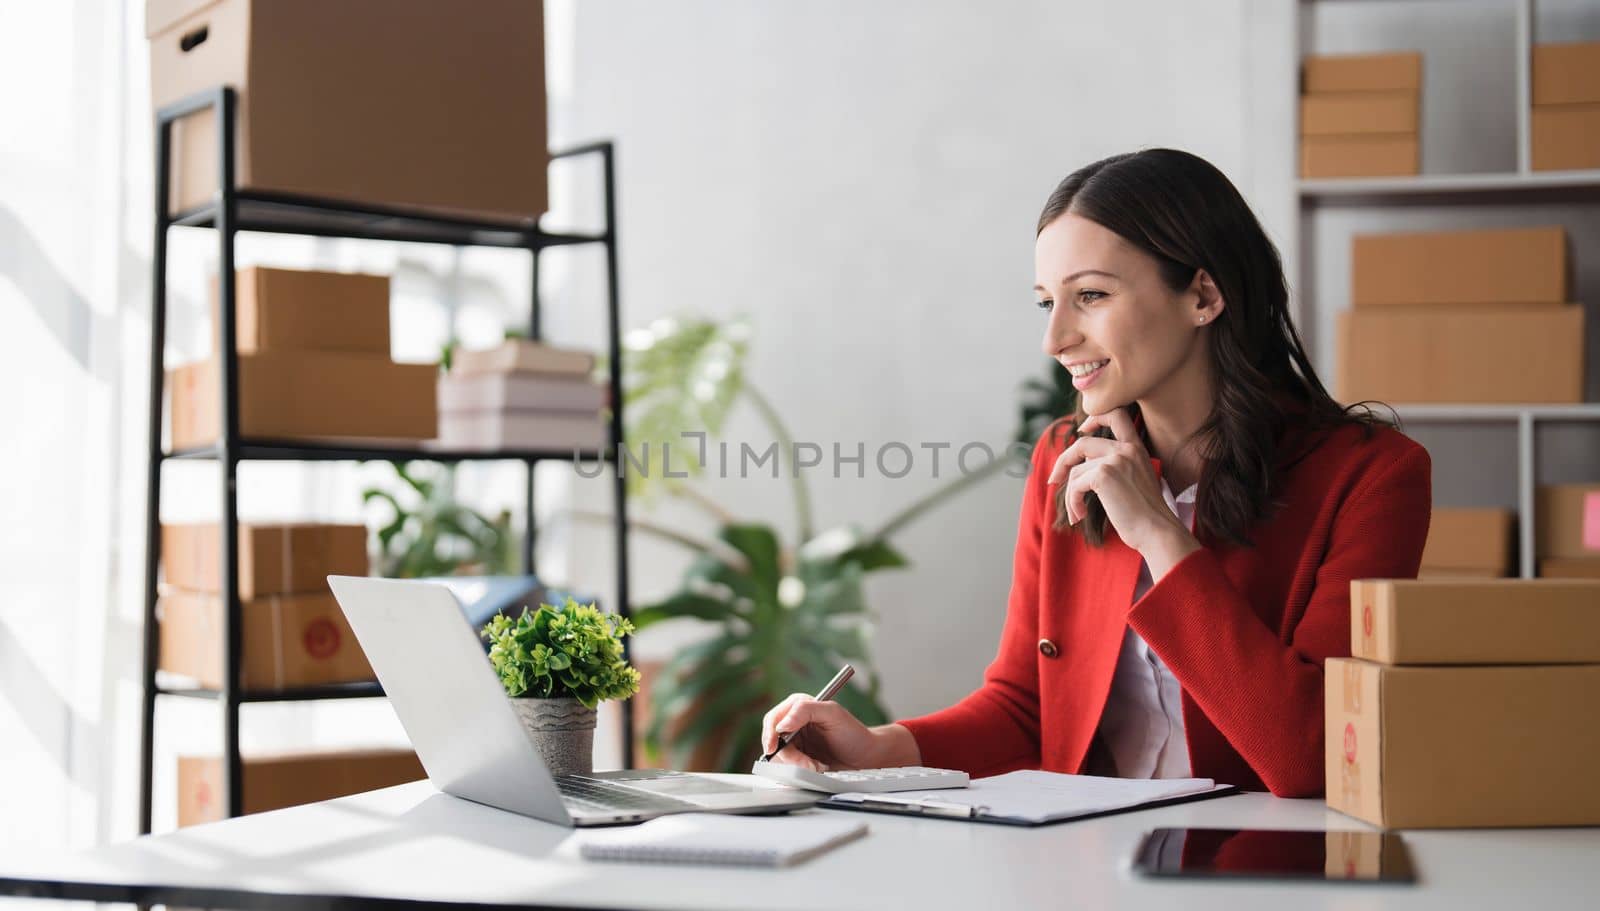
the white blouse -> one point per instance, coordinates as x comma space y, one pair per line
1143, 721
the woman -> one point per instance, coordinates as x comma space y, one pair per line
1187, 539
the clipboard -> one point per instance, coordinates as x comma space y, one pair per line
932, 808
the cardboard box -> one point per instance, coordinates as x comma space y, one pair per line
1565, 137
273, 559
521, 430
1570, 568
1362, 73
473, 392
1353, 113
385, 102
1566, 73
1435, 747
1359, 156
1501, 266
1568, 520
275, 782
307, 395
288, 641
289, 310
1473, 542
1447, 354
523, 356
1475, 621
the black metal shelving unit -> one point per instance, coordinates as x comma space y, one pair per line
234, 211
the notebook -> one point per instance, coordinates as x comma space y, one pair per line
713, 838
1031, 798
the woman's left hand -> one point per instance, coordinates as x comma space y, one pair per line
1119, 472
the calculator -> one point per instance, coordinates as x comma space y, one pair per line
862, 781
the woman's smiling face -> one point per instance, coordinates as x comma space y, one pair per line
1114, 323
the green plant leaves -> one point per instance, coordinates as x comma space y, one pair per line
679, 375
779, 633
759, 544
429, 533
569, 651
683, 604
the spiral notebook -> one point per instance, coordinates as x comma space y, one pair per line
714, 838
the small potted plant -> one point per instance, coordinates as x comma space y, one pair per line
557, 664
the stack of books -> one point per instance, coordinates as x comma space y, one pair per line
521, 395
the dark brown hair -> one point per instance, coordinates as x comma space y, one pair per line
1188, 216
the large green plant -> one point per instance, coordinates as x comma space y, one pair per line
430, 533
785, 617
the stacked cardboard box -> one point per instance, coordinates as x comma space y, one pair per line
1467, 543
294, 633
380, 102
313, 363
1360, 115
287, 780
521, 395
1565, 119
1567, 536
1467, 703
1462, 316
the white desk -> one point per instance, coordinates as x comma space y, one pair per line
411, 844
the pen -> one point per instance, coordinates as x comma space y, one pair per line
923, 807
828, 692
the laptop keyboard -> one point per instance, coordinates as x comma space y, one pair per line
588, 794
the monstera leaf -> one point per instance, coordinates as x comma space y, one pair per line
679, 375
780, 629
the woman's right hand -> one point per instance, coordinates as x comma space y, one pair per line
830, 738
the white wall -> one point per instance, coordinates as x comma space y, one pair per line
863, 179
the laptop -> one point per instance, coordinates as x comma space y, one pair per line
433, 667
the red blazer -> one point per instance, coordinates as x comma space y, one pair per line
1244, 629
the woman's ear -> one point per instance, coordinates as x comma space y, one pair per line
1208, 298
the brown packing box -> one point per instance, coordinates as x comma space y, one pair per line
1570, 568
386, 102
1443, 354
308, 394
273, 559
1348, 113
1475, 621
1565, 137
1468, 542
1442, 747
1359, 156
1565, 512
275, 782
1501, 266
1362, 73
289, 310
1566, 73
288, 641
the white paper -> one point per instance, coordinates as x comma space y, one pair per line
1044, 796
718, 838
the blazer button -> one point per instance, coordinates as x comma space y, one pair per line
1047, 648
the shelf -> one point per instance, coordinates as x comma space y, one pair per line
1497, 413
278, 213
297, 694
1552, 186
303, 451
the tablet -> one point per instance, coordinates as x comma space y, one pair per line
1343, 856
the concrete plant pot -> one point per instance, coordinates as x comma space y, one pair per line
561, 730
